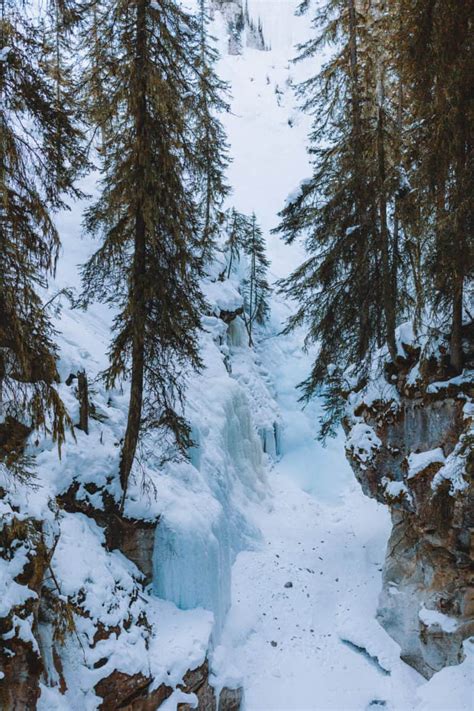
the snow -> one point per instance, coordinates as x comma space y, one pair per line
404, 335
418, 462
363, 442
451, 688
315, 645
223, 295
11, 592
454, 472
465, 378
4, 52
396, 489
432, 618
259, 505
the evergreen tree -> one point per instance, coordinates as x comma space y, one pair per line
149, 261
210, 140
238, 226
256, 288
39, 159
432, 42
235, 27
347, 288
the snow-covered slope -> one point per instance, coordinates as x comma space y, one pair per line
267, 557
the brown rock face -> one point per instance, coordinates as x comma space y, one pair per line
20, 662
136, 540
426, 603
19, 688
196, 682
130, 693
230, 699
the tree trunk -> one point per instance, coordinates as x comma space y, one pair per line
456, 354
354, 68
83, 396
137, 295
396, 217
463, 225
252, 282
388, 302
362, 257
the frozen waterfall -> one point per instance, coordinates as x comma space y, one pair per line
193, 557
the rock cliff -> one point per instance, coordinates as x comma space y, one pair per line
411, 445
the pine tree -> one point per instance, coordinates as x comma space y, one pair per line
149, 261
40, 157
210, 139
235, 27
237, 227
256, 289
347, 289
435, 61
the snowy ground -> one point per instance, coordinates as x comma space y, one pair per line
301, 632
304, 602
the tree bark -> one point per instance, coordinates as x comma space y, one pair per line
83, 396
364, 318
137, 294
388, 301
456, 354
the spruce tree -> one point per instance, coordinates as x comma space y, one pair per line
210, 140
256, 289
235, 28
237, 227
149, 262
39, 159
346, 290
434, 52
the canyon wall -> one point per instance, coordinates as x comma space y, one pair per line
411, 445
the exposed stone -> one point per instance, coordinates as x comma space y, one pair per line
19, 688
20, 662
418, 426
130, 692
196, 682
229, 316
429, 559
230, 699
195, 678
136, 540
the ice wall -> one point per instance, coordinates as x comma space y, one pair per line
196, 543
193, 568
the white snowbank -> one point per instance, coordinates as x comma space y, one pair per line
363, 442
417, 462
434, 618
396, 488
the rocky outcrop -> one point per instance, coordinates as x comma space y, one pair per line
412, 449
130, 692
24, 556
230, 699
37, 619
133, 693
196, 682
135, 538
